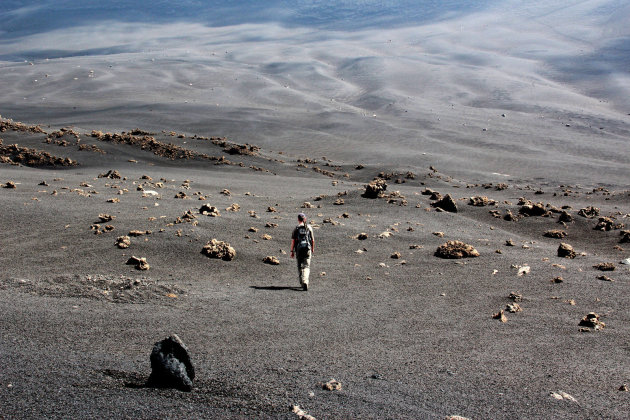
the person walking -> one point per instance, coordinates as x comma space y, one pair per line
302, 248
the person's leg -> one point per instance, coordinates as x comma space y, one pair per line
300, 271
306, 270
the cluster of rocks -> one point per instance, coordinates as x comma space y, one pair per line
17, 155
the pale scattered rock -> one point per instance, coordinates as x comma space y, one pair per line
509, 216
234, 207
565, 217
138, 263
266, 237
111, 174
500, 316
271, 260
481, 201
607, 224
555, 233
375, 188
123, 242
456, 250
516, 297
332, 385
604, 278
533, 209
302, 415
209, 210
589, 212
103, 218
523, 270
253, 229
396, 255
439, 234
219, 249
271, 209
384, 235
592, 321
513, 308
307, 205
566, 251
9, 185
606, 266
561, 395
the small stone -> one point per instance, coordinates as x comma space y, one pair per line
396, 255
138, 263
604, 278
565, 217
481, 201
591, 320
589, 212
558, 279
500, 316
607, 266
332, 385
456, 250
439, 234
555, 233
447, 204
362, 236
9, 185
516, 297
513, 308
209, 210
623, 388
509, 242
566, 251
123, 242
271, 260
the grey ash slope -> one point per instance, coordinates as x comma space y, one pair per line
406, 340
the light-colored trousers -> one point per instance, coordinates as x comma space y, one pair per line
304, 269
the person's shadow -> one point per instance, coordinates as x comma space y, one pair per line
277, 288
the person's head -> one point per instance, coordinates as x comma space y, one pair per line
302, 218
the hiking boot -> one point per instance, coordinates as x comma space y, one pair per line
305, 286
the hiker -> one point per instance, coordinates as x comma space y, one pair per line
302, 247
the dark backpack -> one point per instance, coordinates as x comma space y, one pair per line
303, 243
